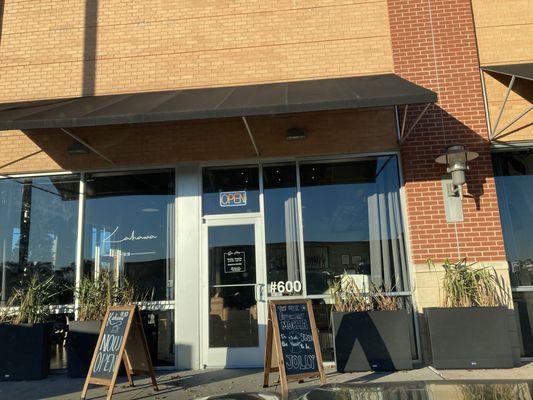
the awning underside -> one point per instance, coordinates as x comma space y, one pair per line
524, 71
238, 101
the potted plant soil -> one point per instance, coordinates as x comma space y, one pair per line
25, 334
371, 331
94, 297
471, 330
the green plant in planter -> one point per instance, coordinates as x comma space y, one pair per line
25, 335
30, 302
465, 285
370, 327
474, 317
346, 296
96, 295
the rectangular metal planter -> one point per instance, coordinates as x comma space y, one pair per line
470, 337
81, 341
372, 340
25, 351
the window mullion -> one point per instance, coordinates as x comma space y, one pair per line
300, 237
79, 242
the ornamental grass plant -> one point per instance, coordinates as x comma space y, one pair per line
347, 296
96, 295
30, 304
508, 391
466, 285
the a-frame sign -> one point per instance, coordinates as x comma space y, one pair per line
293, 337
121, 340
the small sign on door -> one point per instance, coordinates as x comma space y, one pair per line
234, 262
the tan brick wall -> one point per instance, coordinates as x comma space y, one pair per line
65, 48
337, 132
504, 30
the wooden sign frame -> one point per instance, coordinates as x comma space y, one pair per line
133, 325
273, 338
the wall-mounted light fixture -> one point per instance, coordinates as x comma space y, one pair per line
456, 159
296, 134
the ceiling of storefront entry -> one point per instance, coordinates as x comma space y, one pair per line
327, 132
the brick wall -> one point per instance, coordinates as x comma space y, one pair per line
441, 54
66, 48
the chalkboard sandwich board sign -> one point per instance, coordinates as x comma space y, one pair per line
292, 335
121, 340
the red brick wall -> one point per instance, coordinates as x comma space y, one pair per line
434, 45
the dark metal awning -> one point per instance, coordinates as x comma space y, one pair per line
236, 101
524, 71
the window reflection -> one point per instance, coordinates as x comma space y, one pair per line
523, 305
232, 279
129, 229
514, 183
230, 190
281, 227
352, 223
159, 331
38, 225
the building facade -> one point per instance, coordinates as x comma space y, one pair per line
145, 139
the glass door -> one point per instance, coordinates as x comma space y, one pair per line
234, 277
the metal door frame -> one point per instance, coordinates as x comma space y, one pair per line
212, 357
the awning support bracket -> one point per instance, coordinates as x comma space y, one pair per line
515, 119
403, 135
250, 135
83, 142
506, 97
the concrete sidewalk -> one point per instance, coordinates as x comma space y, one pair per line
197, 384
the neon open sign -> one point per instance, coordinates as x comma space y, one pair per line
233, 199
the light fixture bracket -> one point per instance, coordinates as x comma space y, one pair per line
456, 158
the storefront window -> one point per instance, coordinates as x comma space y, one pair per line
230, 190
159, 331
514, 184
282, 230
129, 229
523, 305
38, 225
352, 223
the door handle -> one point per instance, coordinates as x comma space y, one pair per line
259, 289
